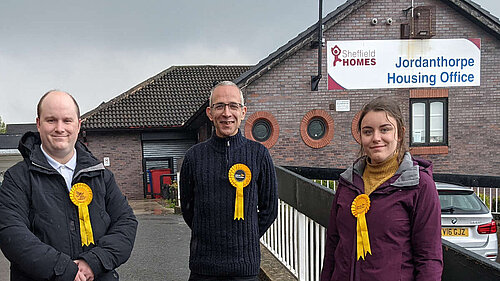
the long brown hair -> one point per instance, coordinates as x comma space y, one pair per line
391, 108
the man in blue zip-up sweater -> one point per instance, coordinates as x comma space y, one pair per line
228, 194
62, 216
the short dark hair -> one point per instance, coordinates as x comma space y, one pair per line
391, 108
39, 106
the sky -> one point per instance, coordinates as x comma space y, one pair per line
96, 50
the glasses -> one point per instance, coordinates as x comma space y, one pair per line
233, 106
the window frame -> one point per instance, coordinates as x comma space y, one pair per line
270, 119
266, 124
329, 128
427, 102
324, 127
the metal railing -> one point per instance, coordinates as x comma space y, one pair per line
297, 241
486, 187
490, 197
297, 237
331, 184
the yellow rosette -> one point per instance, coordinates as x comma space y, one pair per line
81, 195
360, 206
239, 176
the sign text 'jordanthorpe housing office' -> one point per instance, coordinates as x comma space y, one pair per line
372, 64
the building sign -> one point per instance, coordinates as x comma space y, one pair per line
343, 105
369, 64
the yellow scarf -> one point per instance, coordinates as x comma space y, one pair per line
376, 174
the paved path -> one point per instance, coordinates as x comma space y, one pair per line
161, 250
4, 268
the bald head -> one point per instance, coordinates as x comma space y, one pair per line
58, 123
56, 92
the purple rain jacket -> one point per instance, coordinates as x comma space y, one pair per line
404, 226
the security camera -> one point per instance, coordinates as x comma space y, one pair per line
388, 21
374, 21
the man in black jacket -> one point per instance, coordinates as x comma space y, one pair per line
228, 194
62, 216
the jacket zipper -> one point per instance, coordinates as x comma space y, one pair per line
49, 170
97, 167
40, 166
227, 155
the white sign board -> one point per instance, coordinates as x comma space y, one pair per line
106, 161
343, 105
372, 64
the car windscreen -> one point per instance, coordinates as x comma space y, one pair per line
461, 202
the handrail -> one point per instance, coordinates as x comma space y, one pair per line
465, 180
309, 198
462, 264
297, 237
486, 187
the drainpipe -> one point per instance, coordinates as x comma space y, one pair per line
315, 79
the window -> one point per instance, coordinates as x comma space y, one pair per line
261, 130
263, 127
428, 124
316, 128
461, 202
354, 127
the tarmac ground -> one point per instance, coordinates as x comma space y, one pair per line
161, 250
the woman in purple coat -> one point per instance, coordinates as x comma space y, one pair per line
385, 222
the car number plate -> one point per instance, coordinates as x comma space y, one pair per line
454, 231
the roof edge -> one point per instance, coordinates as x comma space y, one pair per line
148, 81
477, 14
197, 114
297, 43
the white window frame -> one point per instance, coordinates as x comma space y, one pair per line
427, 120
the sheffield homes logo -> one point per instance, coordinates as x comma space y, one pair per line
336, 53
353, 58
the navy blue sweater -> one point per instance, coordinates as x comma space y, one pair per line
220, 245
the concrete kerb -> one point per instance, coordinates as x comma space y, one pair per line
149, 207
271, 269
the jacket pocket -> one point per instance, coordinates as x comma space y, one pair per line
50, 231
105, 218
385, 264
100, 223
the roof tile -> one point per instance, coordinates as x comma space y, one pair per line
168, 99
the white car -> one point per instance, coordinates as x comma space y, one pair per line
466, 221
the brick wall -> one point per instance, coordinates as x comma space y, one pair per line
473, 112
125, 154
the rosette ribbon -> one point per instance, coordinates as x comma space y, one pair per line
81, 195
360, 206
239, 177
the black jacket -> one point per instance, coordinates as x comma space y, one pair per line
39, 225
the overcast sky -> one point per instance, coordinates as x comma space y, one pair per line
97, 50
